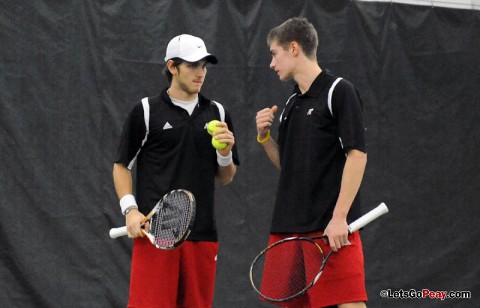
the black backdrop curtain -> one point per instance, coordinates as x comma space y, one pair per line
71, 70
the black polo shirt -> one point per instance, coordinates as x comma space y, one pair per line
313, 145
177, 154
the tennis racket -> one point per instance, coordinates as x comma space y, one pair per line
290, 267
170, 220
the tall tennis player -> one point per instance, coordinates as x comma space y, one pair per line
321, 154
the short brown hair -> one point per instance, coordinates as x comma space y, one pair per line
299, 30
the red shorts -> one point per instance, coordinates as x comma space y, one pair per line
182, 277
342, 280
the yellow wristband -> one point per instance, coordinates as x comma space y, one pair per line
262, 141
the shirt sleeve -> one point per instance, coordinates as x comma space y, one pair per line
348, 110
133, 134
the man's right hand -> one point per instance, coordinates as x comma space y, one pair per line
265, 119
134, 222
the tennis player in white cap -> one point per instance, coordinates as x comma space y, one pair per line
166, 136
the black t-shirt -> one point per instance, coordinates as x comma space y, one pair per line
313, 145
177, 154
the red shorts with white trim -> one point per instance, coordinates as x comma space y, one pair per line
178, 278
342, 280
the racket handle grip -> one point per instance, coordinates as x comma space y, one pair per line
117, 232
367, 218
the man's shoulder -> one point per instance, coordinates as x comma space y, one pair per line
157, 99
205, 100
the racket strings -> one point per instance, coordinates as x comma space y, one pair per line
287, 269
172, 220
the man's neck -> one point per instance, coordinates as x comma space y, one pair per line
177, 93
306, 73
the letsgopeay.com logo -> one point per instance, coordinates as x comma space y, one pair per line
425, 293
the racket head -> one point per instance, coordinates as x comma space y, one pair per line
171, 219
287, 269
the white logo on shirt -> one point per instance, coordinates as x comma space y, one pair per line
310, 111
167, 126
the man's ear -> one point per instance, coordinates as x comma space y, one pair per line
295, 48
171, 67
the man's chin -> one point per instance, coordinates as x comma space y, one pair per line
195, 90
283, 77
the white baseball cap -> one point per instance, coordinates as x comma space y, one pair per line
189, 48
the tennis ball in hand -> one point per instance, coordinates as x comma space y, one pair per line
218, 145
212, 126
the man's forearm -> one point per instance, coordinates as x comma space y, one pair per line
271, 148
122, 180
225, 174
351, 180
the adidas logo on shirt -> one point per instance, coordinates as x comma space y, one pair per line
167, 126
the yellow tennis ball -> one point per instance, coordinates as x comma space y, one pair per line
212, 126
218, 145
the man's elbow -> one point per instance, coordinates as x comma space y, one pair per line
226, 181
359, 156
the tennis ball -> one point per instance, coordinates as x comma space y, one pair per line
218, 145
212, 126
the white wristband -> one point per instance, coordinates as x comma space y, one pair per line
126, 202
224, 160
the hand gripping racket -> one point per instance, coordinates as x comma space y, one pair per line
290, 267
170, 220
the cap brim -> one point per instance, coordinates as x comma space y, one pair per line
197, 57
212, 59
